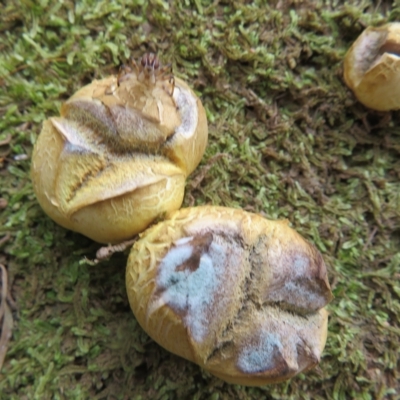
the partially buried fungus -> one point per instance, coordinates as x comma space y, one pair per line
118, 156
241, 296
372, 67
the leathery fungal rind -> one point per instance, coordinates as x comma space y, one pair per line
240, 295
118, 156
372, 67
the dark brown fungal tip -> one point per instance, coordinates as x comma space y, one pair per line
200, 246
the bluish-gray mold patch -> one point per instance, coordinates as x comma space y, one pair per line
259, 356
191, 291
301, 264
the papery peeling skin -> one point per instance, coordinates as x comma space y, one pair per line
239, 295
118, 156
372, 67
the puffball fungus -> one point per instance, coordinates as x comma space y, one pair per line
241, 296
118, 156
372, 67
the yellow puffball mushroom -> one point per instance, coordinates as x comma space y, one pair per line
119, 154
372, 67
241, 296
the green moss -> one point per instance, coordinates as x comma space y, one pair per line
295, 146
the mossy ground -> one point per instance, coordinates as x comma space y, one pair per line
296, 145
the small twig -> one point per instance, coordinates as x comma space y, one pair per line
6, 332
106, 252
6, 318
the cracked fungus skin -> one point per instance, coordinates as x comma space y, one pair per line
372, 67
241, 296
120, 152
